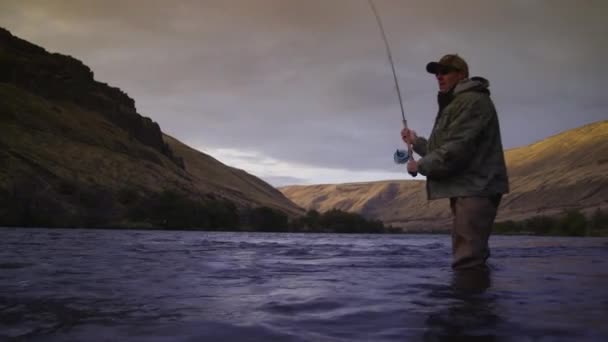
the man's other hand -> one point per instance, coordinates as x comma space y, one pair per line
412, 166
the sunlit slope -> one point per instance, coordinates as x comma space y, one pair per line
564, 171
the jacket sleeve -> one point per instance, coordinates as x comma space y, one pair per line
420, 146
459, 144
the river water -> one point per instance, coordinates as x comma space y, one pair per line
111, 285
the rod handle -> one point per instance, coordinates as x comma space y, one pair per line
409, 150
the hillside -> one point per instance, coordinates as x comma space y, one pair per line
75, 151
564, 171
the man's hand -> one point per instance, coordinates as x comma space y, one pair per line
408, 136
412, 166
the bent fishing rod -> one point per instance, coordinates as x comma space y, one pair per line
399, 157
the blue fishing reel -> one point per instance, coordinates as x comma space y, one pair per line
401, 157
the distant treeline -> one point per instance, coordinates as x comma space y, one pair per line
569, 223
337, 221
174, 211
75, 205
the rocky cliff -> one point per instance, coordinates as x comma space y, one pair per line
58, 77
75, 152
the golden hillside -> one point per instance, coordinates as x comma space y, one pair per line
564, 171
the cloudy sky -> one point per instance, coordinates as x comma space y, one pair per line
300, 91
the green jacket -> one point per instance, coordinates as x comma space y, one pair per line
464, 155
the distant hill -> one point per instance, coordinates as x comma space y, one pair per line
565, 171
74, 147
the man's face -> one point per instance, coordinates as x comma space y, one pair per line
447, 79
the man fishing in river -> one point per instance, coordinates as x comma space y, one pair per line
463, 159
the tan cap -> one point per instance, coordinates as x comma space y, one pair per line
448, 62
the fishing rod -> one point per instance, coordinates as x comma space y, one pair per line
400, 157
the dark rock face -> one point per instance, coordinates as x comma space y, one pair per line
59, 77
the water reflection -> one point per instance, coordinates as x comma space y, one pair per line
470, 314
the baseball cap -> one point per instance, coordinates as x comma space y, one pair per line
448, 62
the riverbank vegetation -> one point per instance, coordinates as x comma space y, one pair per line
129, 208
336, 221
96, 207
569, 223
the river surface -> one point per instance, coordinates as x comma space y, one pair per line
111, 285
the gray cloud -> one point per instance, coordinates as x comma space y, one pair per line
285, 180
308, 81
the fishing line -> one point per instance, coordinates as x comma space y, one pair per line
400, 156
390, 59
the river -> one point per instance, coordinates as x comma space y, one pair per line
136, 285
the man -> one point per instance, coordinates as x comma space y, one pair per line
463, 159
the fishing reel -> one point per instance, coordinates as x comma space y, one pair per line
401, 156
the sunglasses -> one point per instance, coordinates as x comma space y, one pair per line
445, 70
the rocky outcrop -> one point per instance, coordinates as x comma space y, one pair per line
63, 78
75, 153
